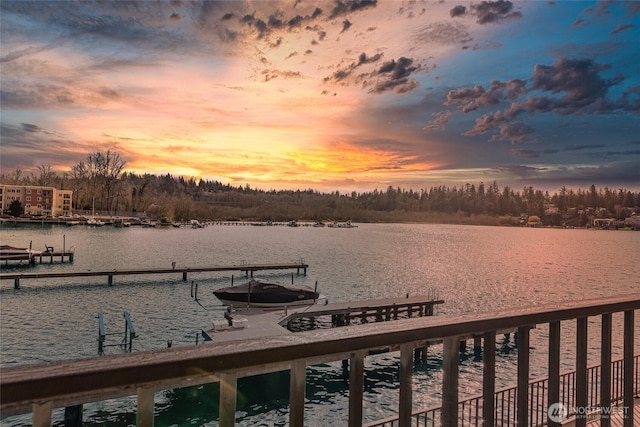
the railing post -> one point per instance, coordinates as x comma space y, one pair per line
523, 376
581, 372
605, 369
450, 358
489, 379
42, 414
627, 401
554, 373
228, 394
297, 387
145, 406
356, 388
406, 385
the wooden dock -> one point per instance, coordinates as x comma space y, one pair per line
247, 269
246, 323
40, 257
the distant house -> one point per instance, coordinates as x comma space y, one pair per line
37, 200
534, 221
633, 221
550, 209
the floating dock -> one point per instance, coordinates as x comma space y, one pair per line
246, 323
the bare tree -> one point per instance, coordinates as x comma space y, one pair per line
47, 175
98, 178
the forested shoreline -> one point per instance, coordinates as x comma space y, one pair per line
101, 182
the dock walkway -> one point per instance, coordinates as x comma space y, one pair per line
247, 269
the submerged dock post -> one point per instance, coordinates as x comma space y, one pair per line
101, 334
73, 416
477, 345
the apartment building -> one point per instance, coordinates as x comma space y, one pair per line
37, 200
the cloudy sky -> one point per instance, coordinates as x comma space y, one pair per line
330, 95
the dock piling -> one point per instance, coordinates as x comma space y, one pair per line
73, 416
477, 345
101, 334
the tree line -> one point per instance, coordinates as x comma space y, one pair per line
101, 184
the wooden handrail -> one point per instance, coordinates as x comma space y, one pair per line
94, 379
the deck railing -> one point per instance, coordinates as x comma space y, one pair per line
40, 388
470, 409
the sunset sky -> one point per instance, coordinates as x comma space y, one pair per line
336, 95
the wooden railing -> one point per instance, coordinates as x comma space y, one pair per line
40, 388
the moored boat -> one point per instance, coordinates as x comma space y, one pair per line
6, 250
93, 221
17, 254
262, 293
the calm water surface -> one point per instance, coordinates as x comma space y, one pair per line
474, 269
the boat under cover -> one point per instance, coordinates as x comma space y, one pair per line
262, 293
11, 250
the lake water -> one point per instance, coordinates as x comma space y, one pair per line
474, 269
